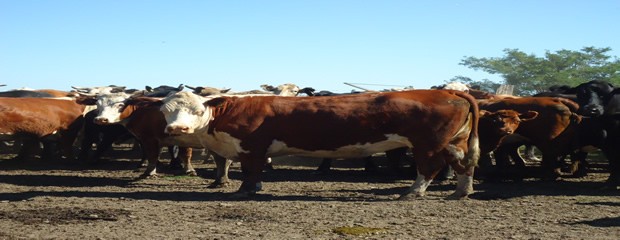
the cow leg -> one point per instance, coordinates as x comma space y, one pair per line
50, 150
613, 156
456, 157
252, 168
143, 159
221, 171
102, 146
369, 165
27, 148
427, 166
325, 166
394, 157
549, 166
86, 147
579, 164
185, 154
68, 138
175, 161
530, 153
151, 151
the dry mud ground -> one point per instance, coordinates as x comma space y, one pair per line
55, 200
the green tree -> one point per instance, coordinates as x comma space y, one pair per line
531, 74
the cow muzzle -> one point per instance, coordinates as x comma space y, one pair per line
592, 110
101, 120
178, 130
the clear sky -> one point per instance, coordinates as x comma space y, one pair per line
318, 43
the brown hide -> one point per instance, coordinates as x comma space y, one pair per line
493, 126
429, 119
41, 117
552, 131
144, 120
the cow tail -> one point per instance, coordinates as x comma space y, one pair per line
571, 105
473, 142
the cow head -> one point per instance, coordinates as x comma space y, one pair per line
287, 89
504, 122
99, 90
110, 107
184, 113
592, 97
208, 91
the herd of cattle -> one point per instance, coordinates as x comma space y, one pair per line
451, 126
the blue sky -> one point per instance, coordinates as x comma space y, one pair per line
243, 44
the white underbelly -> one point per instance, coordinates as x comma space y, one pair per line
279, 148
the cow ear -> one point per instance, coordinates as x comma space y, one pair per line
529, 115
85, 100
216, 102
267, 87
484, 113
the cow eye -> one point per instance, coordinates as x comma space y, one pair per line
199, 112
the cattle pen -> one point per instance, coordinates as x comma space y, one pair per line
57, 200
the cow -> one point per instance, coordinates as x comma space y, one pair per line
45, 120
287, 89
439, 125
105, 135
600, 100
495, 126
552, 131
146, 123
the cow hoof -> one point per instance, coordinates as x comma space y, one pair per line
411, 196
218, 185
148, 176
457, 196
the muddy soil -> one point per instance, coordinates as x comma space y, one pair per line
61, 200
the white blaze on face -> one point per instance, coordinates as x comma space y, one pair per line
110, 106
185, 112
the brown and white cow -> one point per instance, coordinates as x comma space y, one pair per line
147, 124
439, 125
44, 120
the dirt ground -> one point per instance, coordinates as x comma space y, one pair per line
59, 200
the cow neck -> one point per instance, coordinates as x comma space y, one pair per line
127, 112
216, 112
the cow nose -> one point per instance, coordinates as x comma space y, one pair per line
177, 129
592, 110
101, 120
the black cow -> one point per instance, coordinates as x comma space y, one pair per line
601, 101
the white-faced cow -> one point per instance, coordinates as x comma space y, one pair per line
147, 124
439, 125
